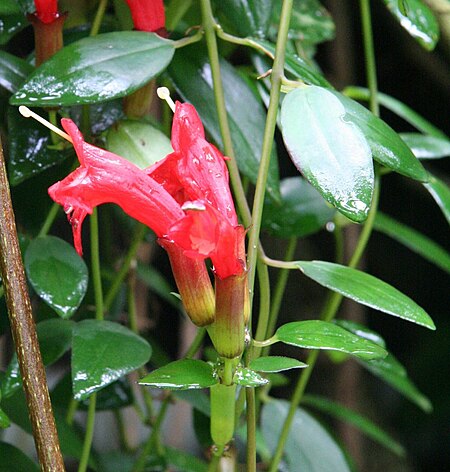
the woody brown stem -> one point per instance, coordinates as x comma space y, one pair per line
24, 335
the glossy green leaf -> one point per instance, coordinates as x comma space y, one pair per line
138, 141
309, 447
248, 17
57, 273
366, 289
413, 240
9, 7
10, 25
248, 378
103, 351
13, 71
425, 146
302, 211
14, 460
275, 364
362, 331
440, 191
360, 422
418, 20
331, 153
399, 108
191, 74
316, 334
97, 69
310, 22
29, 151
184, 374
386, 145
394, 374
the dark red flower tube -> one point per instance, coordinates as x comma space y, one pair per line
148, 15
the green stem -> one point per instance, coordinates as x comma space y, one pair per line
71, 410
269, 131
251, 429
49, 220
196, 343
120, 277
242, 41
89, 434
98, 17
369, 53
280, 288
95, 262
175, 12
215, 459
181, 43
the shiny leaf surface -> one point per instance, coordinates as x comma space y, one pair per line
97, 69
248, 378
57, 273
103, 351
426, 147
394, 374
275, 364
14, 460
184, 374
309, 447
316, 334
10, 25
366, 289
386, 145
331, 153
418, 20
30, 150
360, 422
440, 191
399, 108
13, 71
413, 240
137, 141
248, 17
310, 22
302, 211
191, 74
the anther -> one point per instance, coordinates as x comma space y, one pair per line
27, 113
164, 94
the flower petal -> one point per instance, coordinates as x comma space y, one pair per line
148, 15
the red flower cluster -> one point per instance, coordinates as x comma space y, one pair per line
46, 10
185, 198
148, 15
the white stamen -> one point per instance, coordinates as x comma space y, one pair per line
27, 113
164, 94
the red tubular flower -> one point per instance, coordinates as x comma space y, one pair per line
46, 10
195, 174
148, 15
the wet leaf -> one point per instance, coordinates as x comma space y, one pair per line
418, 20
386, 145
184, 374
440, 191
275, 364
137, 141
301, 212
316, 334
57, 273
309, 447
97, 69
10, 25
426, 147
248, 378
366, 289
331, 153
103, 351
413, 240
13, 71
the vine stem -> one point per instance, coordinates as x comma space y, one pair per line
335, 299
24, 334
98, 17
